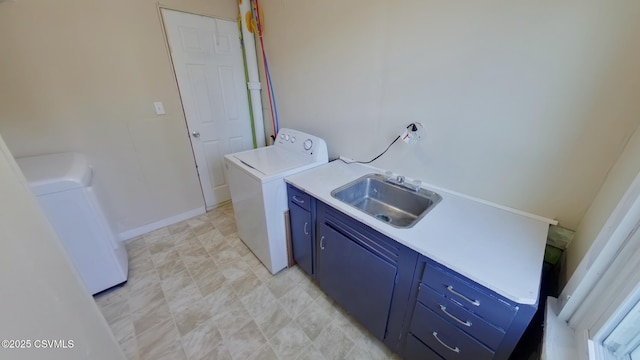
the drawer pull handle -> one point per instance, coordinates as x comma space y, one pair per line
306, 231
322, 243
444, 310
471, 301
298, 200
455, 349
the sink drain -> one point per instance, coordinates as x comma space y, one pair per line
383, 217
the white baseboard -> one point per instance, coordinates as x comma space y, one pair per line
130, 234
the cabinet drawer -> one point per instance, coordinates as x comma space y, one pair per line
416, 350
473, 297
444, 338
299, 198
459, 317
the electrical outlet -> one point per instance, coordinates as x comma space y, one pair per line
413, 133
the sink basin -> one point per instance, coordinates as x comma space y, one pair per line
393, 204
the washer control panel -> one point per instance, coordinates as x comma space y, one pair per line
303, 143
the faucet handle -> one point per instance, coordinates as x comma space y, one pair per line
414, 184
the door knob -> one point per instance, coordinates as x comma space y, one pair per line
195, 134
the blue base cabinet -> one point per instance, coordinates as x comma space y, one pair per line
455, 318
363, 286
418, 308
365, 272
417, 350
301, 214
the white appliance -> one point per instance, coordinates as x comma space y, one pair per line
62, 185
259, 193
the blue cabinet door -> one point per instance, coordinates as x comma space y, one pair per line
302, 218
358, 280
301, 238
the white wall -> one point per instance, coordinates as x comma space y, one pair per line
526, 104
42, 295
81, 76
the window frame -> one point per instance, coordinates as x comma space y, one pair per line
605, 286
600, 352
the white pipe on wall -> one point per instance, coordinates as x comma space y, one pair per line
252, 69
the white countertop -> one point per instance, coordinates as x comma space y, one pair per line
500, 249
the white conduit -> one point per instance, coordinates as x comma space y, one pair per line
252, 69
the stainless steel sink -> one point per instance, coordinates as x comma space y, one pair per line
394, 204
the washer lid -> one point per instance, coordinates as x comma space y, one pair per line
48, 174
271, 160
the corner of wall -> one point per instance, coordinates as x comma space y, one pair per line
616, 183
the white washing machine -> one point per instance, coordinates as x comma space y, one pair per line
259, 194
62, 185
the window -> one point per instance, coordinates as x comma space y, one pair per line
620, 337
601, 302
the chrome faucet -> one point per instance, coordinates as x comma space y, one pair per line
400, 180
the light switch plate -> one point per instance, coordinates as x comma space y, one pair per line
159, 108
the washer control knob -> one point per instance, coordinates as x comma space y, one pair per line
281, 136
286, 137
308, 144
293, 139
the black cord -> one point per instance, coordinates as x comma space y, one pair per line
375, 158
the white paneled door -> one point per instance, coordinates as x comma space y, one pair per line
207, 58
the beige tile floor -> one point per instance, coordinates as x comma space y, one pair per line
195, 291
